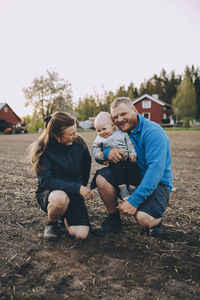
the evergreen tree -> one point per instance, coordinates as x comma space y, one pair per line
132, 91
170, 87
121, 92
194, 76
147, 87
86, 108
142, 89
165, 86
104, 104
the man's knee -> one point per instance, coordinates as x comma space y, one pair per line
100, 181
145, 220
104, 186
80, 232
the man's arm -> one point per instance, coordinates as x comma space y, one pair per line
155, 144
113, 154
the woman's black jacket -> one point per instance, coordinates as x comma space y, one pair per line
64, 167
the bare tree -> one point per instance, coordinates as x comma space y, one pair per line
48, 94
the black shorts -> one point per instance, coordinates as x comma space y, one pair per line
76, 213
109, 175
154, 205
126, 172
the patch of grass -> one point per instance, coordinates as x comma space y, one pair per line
181, 128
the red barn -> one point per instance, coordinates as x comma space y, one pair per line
154, 109
8, 117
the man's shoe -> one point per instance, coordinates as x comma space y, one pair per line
51, 231
112, 223
156, 231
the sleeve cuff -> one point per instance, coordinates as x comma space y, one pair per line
106, 152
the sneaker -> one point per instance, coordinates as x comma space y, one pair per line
51, 231
156, 231
124, 193
112, 223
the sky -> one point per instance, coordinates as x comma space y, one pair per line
96, 45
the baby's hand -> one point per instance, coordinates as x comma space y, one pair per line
132, 158
101, 154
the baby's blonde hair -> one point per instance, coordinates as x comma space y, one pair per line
103, 115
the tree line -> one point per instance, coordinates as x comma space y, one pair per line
49, 93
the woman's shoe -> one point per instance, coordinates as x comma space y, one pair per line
51, 231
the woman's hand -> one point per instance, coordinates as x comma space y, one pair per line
85, 192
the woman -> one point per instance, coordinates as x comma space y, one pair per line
62, 164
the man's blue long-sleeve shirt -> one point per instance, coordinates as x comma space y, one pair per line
153, 157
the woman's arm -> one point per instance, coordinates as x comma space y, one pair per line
48, 182
86, 167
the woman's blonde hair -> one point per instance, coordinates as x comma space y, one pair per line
54, 126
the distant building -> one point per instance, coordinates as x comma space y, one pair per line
8, 117
87, 124
154, 109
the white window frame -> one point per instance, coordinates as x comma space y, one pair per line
5, 109
149, 115
146, 104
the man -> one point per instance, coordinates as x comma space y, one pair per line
149, 200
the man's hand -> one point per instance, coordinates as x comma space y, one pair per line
132, 158
127, 208
116, 155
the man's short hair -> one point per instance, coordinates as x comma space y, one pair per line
120, 100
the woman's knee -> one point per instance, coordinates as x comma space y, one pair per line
59, 200
58, 203
80, 232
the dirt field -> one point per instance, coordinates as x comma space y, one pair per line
125, 266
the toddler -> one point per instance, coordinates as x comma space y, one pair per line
126, 172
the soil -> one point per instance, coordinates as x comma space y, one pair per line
120, 266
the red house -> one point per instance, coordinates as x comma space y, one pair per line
154, 109
8, 117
